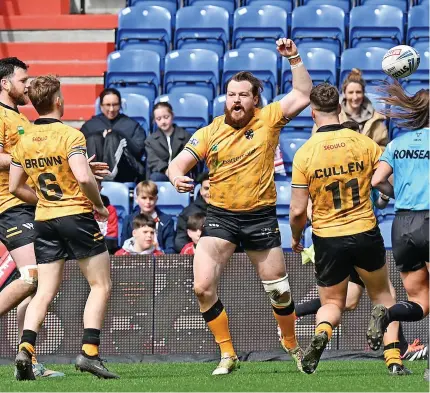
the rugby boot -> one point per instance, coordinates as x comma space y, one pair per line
416, 351
94, 366
377, 326
427, 375
398, 369
313, 352
24, 366
227, 364
296, 354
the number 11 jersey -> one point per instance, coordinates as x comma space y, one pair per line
43, 151
336, 165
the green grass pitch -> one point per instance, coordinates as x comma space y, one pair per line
331, 376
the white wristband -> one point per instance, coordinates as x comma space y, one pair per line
293, 57
174, 181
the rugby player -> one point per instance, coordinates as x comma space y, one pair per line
239, 149
334, 167
53, 156
407, 157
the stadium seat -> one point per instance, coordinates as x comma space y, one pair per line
303, 122
385, 228
135, 71
219, 104
283, 192
420, 78
145, 27
287, 5
377, 104
290, 142
402, 4
376, 25
171, 201
320, 26
192, 71
320, 63
258, 26
388, 211
169, 5
368, 60
344, 4
418, 26
308, 237
229, 5
286, 235
261, 62
202, 27
191, 110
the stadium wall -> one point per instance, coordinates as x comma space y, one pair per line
153, 310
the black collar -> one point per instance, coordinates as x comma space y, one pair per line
9, 107
331, 127
46, 120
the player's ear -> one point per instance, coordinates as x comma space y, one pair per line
313, 114
134, 233
5, 84
339, 109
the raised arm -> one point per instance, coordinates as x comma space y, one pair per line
298, 98
178, 167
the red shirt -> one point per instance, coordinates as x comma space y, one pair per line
188, 249
125, 252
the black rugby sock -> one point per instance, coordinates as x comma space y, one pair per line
405, 311
308, 308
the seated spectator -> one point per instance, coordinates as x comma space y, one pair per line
143, 240
195, 224
146, 198
198, 206
357, 107
109, 228
116, 139
165, 143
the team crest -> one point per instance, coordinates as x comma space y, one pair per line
194, 142
249, 134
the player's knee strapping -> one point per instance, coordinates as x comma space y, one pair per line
29, 274
280, 295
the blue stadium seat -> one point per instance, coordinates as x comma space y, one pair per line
385, 227
171, 201
420, 78
287, 5
169, 5
320, 63
283, 192
303, 122
261, 62
308, 237
135, 71
368, 60
388, 211
402, 4
192, 71
286, 235
258, 26
321, 26
145, 27
418, 26
119, 197
344, 4
191, 110
202, 27
377, 104
376, 25
229, 5
290, 142
219, 104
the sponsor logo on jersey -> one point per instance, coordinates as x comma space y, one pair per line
412, 154
194, 142
39, 138
335, 146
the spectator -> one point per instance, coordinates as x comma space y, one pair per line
146, 198
357, 107
143, 240
116, 139
109, 228
165, 143
198, 206
195, 224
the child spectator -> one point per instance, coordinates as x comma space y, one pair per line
146, 198
195, 224
143, 240
109, 228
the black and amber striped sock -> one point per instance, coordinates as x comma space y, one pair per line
217, 321
286, 318
91, 342
392, 354
28, 341
324, 327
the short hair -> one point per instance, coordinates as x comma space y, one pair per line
352, 125
143, 220
163, 105
42, 93
8, 66
201, 177
147, 187
325, 98
196, 221
106, 92
354, 77
257, 85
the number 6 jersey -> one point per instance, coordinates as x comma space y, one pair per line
336, 165
43, 151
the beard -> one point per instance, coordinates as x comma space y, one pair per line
238, 122
18, 99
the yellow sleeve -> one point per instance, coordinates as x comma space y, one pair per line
2, 133
198, 144
76, 144
376, 153
16, 157
299, 177
273, 116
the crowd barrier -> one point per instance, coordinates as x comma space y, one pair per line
153, 310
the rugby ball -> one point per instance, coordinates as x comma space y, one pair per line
401, 61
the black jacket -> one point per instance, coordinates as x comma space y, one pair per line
197, 206
157, 150
124, 126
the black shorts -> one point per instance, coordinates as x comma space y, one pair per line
17, 226
335, 257
70, 237
257, 230
355, 278
410, 239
